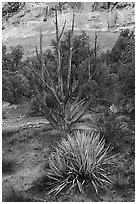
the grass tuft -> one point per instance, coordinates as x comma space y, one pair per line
78, 162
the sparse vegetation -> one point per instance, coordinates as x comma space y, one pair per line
11, 8
87, 100
113, 126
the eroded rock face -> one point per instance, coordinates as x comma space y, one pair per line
23, 27
23, 9
120, 13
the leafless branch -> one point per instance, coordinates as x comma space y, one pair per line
44, 69
51, 89
95, 43
62, 30
75, 50
36, 50
60, 82
41, 39
70, 53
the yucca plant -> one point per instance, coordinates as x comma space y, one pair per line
77, 162
68, 109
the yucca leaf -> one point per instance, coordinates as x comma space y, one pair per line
80, 186
76, 106
60, 187
82, 111
95, 186
106, 178
54, 168
73, 186
79, 159
99, 183
105, 181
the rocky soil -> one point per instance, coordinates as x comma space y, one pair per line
26, 146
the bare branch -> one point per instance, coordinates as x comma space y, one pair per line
95, 44
60, 82
70, 53
36, 50
94, 73
40, 95
73, 21
56, 24
51, 82
81, 76
75, 50
77, 83
48, 75
62, 30
42, 63
89, 54
51, 89
41, 38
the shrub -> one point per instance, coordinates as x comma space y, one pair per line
124, 174
7, 165
11, 8
113, 127
11, 60
121, 60
78, 162
14, 86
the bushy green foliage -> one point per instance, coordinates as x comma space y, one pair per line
14, 86
7, 89
121, 60
113, 126
11, 8
80, 51
11, 60
77, 162
14, 83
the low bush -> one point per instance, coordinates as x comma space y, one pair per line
124, 174
112, 126
7, 165
78, 162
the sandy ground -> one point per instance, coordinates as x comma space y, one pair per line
29, 149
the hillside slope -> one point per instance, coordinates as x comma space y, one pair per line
23, 27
